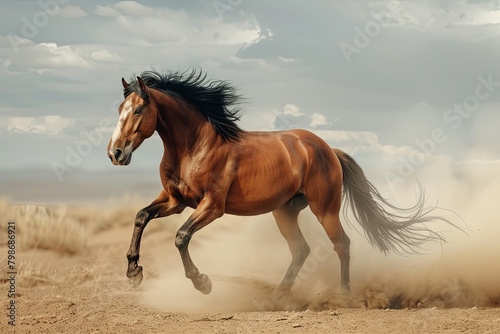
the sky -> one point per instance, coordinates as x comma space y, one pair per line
411, 89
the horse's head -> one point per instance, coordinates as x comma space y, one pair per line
137, 122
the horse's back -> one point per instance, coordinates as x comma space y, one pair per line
324, 164
302, 149
275, 166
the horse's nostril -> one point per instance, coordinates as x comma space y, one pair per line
118, 153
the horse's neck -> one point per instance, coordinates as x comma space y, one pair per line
183, 130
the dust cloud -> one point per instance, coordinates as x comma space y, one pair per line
246, 258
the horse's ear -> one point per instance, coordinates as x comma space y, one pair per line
124, 83
142, 86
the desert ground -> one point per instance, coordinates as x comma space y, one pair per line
70, 264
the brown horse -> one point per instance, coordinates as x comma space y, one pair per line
214, 167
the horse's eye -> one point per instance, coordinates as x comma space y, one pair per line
138, 111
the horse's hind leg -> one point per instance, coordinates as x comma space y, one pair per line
328, 216
341, 243
286, 218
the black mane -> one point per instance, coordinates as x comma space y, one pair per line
216, 99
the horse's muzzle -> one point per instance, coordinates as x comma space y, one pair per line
119, 158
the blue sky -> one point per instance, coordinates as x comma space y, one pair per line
409, 88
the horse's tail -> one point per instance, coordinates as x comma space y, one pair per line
401, 231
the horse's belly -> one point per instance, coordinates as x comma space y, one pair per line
257, 199
251, 208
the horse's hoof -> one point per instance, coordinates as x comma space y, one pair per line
136, 279
203, 284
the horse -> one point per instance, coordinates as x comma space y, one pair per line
213, 166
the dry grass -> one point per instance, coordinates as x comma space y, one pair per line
122, 213
67, 230
115, 218
30, 275
46, 228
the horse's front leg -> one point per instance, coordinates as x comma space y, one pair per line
206, 212
163, 206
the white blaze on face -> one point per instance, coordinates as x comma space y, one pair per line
127, 108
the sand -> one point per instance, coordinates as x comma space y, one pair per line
453, 288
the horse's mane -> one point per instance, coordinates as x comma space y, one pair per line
216, 99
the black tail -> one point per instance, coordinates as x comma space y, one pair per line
401, 231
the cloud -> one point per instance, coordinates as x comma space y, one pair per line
485, 18
58, 56
291, 109
70, 11
166, 28
288, 60
134, 8
251, 34
107, 11
318, 119
31, 57
105, 56
353, 140
47, 125
130, 8
247, 61
291, 117
438, 16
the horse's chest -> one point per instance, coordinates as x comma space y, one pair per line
185, 192
191, 196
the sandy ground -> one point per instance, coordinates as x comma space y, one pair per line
88, 292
